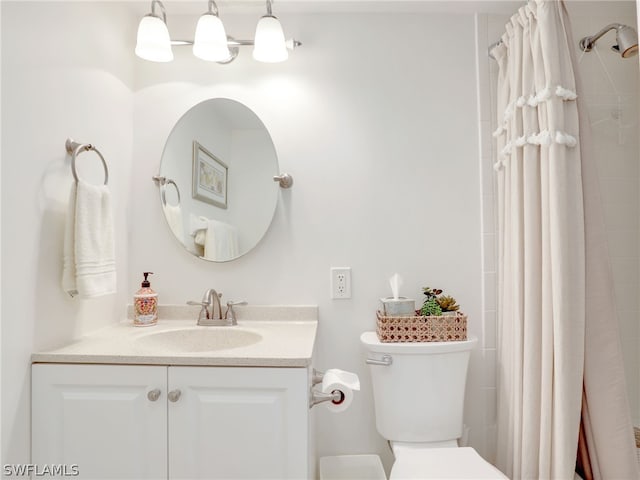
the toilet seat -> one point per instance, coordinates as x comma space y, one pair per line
441, 463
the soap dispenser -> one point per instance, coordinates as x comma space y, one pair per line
145, 304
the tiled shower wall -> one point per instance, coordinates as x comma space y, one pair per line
610, 92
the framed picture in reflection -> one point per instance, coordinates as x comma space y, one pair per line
209, 177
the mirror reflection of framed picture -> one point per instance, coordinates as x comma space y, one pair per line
209, 177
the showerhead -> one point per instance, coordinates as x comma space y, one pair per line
626, 40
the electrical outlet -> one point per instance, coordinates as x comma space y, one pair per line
340, 282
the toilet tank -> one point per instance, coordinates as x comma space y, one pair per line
419, 397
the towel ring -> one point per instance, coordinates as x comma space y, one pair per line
75, 148
163, 190
161, 183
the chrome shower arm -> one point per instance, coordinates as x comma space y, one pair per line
587, 43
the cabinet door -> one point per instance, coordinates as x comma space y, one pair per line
232, 423
99, 417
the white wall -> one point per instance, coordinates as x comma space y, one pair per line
375, 120
66, 71
1, 422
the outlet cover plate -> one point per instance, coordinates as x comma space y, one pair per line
340, 282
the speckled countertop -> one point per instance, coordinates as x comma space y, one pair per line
283, 336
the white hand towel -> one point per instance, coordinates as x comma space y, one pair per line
89, 252
221, 242
197, 223
200, 237
173, 214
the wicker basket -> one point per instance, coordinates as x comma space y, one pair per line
422, 329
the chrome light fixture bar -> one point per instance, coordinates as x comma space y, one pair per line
211, 43
626, 40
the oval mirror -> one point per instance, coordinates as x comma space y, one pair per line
216, 180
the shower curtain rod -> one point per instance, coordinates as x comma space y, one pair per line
492, 46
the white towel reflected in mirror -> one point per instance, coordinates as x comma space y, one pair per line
219, 239
173, 214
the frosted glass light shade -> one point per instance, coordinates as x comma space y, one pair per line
269, 44
210, 42
153, 41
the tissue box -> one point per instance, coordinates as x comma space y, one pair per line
398, 307
444, 328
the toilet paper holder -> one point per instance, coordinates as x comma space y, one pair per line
316, 397
336, 397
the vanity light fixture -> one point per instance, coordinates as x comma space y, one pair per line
153, 42
211, 42
270, 45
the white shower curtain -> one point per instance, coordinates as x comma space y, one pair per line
543, 304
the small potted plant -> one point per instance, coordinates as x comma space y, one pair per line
437, 304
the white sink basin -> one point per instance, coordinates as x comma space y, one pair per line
199, 339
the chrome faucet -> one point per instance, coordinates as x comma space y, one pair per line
213, 301
211, 311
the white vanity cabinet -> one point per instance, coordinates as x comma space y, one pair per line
234, 422
176, 422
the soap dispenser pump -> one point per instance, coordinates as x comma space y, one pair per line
145, 304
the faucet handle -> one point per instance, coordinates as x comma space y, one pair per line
204, 310
199, 304
230, 314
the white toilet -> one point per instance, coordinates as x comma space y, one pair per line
418, 391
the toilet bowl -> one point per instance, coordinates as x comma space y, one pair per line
418, 391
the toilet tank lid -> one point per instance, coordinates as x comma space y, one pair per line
373, 344
443, 463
